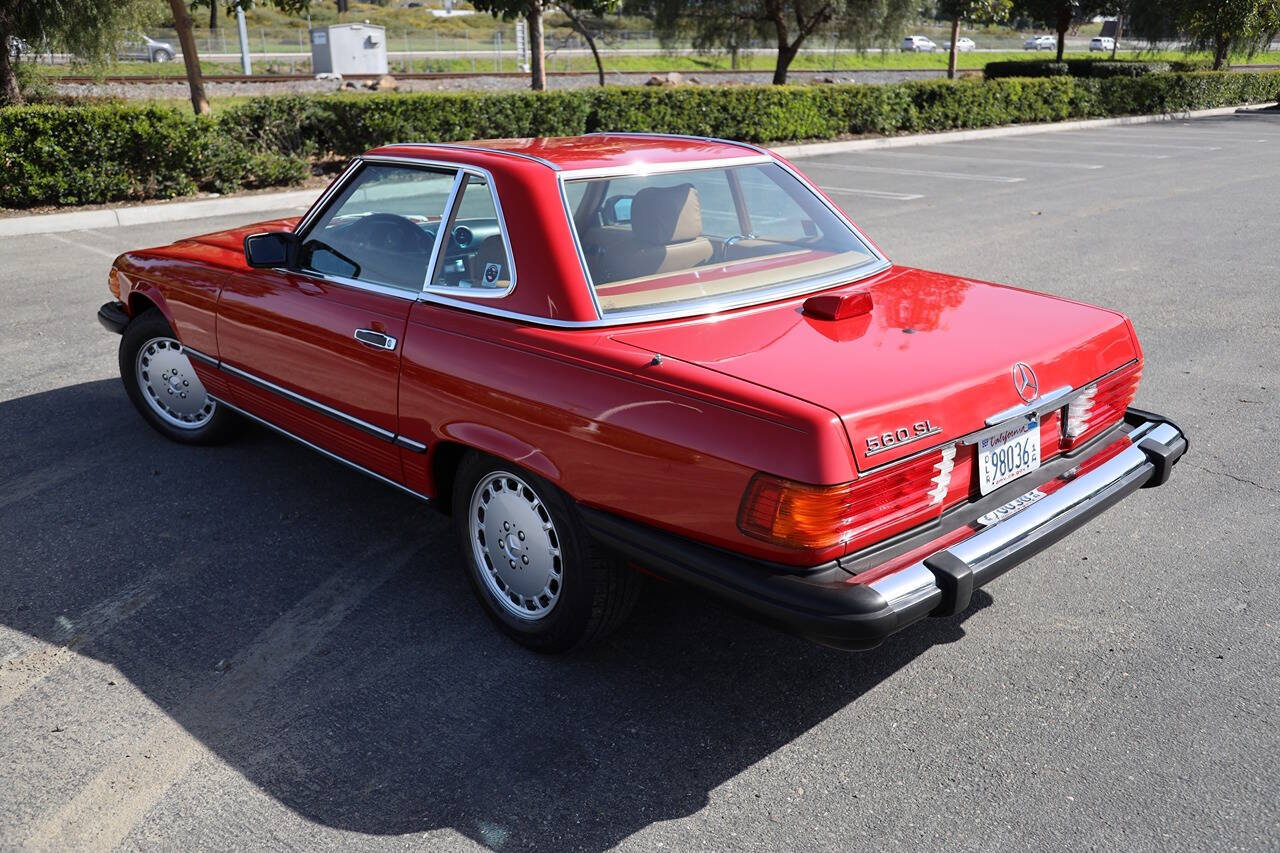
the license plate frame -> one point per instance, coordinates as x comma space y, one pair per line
1007, 455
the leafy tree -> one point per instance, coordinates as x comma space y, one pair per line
187, 38
1220, 26
789, 23
985, 11
534, 12
88, 29
1059, 14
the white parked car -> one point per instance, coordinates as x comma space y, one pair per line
1102, 43
1041, 43
918, 44
964, 44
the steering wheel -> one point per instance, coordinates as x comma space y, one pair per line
390, 232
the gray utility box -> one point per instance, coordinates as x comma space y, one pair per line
349, 49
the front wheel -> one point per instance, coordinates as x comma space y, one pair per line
164, 388
537, 572
161, 56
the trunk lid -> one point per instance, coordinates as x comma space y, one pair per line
934, 349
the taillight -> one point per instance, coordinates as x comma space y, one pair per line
1100, 406
798, 515
113, 282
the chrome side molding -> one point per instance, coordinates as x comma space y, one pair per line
308, 403
318, 449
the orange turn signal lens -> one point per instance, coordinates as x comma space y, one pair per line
113, 282
798, 515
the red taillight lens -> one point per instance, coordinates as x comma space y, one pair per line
797, 515
1100, 406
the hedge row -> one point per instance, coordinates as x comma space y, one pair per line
1097, 68
89, 154
76, 155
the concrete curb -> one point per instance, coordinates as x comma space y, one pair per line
146, 214
815, 149
143, 214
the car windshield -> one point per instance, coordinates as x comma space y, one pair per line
669, 241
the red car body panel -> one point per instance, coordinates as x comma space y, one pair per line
670, 442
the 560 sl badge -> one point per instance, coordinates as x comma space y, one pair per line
900, 436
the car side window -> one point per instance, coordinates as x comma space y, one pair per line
474, 256
381, 228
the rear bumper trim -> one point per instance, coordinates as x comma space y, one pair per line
828, 607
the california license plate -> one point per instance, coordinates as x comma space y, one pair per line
1007, 455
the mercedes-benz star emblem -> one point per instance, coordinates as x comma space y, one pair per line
1025, 382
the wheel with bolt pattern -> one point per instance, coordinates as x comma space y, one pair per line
536, 571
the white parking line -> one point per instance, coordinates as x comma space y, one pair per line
111, 256
997, 160
890, 170
873, 193
1090, 141
1222, 135
1035, 148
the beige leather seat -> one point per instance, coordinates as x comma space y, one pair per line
666, 236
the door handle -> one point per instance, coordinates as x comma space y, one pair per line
377, 340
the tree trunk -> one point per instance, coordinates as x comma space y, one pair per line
1221, 44
1064, 24
580, 27
213, 15
10, 94
187, 38
1115, 42
955, 47
786, 53
537, 48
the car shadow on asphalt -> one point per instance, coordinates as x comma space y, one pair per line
313, 630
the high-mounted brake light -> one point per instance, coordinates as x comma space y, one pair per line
798, 515
838, 306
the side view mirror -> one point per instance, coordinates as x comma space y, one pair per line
617, 210
269, 249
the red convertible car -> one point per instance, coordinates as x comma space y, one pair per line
626, 353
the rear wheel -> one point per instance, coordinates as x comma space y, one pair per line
164, 388
161, 56
537, 572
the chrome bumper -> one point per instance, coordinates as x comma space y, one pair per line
942, 584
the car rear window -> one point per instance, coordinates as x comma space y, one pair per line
672, 240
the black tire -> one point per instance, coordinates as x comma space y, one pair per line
146, 327
597, 590
161, 56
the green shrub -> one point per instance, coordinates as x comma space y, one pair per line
54, 154
1103, 68
1025, 68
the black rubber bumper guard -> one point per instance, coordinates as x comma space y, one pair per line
823, 605
113, 317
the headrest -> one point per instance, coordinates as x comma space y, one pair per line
661, 215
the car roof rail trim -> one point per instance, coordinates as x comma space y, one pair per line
481, 148
657, 135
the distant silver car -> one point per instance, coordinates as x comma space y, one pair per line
1101, 43
147, 49
964, 44
918, 44
1041, 43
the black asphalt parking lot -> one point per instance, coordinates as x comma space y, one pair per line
251, 646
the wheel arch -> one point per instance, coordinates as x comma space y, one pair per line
459, 438
143, 296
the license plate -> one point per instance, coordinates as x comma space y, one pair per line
1013, 507
1007, 455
